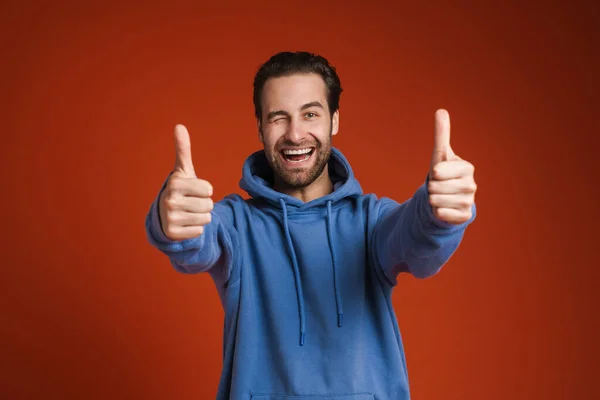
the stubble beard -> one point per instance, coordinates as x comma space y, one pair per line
298, 178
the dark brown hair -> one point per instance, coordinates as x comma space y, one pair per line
288, 63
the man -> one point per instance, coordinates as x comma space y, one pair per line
306, 266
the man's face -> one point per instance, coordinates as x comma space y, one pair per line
296, 128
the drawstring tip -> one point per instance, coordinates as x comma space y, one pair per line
340, 319
302, 339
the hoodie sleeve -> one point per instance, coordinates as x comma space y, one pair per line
409, 238
212, 251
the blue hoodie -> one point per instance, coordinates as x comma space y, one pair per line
306, 287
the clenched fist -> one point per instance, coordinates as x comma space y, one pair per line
185, 203
451, 179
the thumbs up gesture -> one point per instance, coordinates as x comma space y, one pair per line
451, 179
185, 203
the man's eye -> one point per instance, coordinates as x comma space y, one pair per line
311, 114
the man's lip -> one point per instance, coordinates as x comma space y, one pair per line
297, 148
297, 163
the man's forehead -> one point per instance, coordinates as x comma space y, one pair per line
293, 90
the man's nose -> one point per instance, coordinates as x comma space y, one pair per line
296, 132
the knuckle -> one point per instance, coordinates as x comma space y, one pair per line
171, 233
172, 218
464, 202
430, 187
468, 185
173, 183
438, 213
209, 188
170, 202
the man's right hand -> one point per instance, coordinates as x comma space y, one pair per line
185, 203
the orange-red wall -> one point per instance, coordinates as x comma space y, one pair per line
90, 96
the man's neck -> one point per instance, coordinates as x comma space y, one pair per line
322, 186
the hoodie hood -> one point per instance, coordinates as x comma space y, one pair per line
257, 178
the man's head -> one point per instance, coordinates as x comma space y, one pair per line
296, 101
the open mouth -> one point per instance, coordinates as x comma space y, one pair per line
297, 155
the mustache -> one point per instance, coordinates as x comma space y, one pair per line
302, 145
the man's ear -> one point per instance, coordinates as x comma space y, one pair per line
259, 127
335, 122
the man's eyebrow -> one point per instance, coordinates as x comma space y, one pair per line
312, 104
273, 114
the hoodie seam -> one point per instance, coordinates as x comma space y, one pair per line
379, 265
314, 210
312, 395
232, 251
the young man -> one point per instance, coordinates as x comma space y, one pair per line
306, 266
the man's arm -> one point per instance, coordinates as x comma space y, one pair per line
421, 234
409, 238
211, 251
185, 225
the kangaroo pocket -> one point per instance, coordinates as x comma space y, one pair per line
355, 396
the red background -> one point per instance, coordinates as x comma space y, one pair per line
90, 98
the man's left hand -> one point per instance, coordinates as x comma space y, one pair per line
451, 185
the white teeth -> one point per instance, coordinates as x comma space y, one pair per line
303, 151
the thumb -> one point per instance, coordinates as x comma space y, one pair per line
441, 142
183, 151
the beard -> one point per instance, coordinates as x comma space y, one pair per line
298, 178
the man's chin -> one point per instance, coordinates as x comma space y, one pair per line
295, 180
299, 176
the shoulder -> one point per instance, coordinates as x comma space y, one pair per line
226, 208
374, 204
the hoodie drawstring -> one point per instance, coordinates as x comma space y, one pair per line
296, 273
299, 292
338, 299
